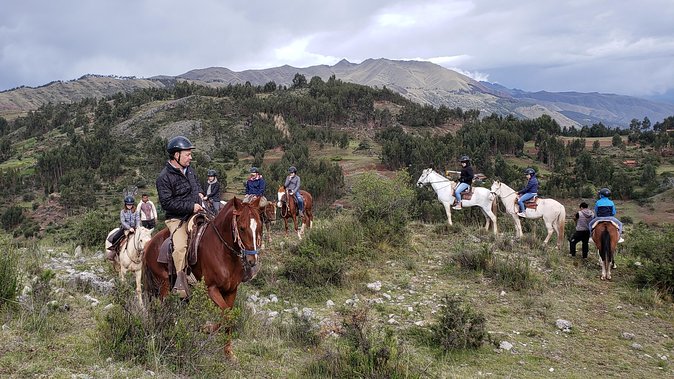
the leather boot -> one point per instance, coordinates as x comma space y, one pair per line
181, 285
111, 254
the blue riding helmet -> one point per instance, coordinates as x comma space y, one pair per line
129, 200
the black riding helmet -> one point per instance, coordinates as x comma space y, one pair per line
254, 170
129, 200
604, 192
292, 169
530, 171
464, 158
178, 143
211, 172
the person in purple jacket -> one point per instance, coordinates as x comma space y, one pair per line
529, 191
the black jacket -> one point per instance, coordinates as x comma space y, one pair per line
177, 192
215, 191
466, 175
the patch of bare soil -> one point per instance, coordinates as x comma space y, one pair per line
48, 213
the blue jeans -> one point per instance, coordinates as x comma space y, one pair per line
457, 192
596, 220
300, 201
524, 198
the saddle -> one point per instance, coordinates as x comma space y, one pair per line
465, 195
196, 225
611, 221
531, 203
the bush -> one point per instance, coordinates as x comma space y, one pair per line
655, 249
382, 206
167, 333
458, 325
90, 229
368, 352
322, 258
12, 217
512, 272
9, 273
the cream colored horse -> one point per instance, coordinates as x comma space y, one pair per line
444, 188
552, 211
130, 256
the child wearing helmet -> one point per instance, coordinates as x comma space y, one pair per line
129, 220
213, 191
465, 180
528, 192
292, 185
604, 210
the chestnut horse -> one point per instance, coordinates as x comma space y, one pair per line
288, 206
268, 215
226, 256
605, 236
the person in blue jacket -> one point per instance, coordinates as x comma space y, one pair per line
528, 192
255, 187
604, 209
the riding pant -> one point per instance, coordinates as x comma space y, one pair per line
179, 236
457, 192
523, 198
300, 201
596, 220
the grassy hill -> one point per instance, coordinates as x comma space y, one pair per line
377, 313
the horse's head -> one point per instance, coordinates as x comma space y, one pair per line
495, 187
247, 229
280, 193
143, 236
425, 177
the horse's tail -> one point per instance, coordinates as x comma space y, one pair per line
561, 220
150, 282
606, 246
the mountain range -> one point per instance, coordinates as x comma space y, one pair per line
423, 82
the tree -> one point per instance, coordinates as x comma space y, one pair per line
299, 81
616, 141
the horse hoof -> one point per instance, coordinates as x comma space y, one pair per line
603, 278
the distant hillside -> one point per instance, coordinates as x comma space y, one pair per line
422, 82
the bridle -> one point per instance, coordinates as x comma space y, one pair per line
501, 196
242, 251
444, 180
136, 243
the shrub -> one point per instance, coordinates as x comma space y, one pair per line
512, 272
168, 332
12, 217
9, 273
458, 325
368, 352
322, 258
90, 229
382, 206
655, 249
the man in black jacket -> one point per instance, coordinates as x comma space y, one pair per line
180, 196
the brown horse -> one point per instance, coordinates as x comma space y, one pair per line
268, 215
288, 206
605, 236
226, 256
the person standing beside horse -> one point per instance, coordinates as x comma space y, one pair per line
255, 187
292, 185
528, 192
147, 212
465, 180
129, 221
213, 190
605, 210
582, 234
180, 196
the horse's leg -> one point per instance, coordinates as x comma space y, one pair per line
139, 293
295, 224
448, 211
518, 225
224, 302
548, 226
491, 217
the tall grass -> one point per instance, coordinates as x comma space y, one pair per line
9, 273
512, 271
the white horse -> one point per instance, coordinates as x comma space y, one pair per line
444, 188
130, 256
552, 211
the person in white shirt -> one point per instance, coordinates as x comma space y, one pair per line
148, 212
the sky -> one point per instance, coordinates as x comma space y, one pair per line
609, 46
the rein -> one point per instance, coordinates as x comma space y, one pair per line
444, 180
237, 238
